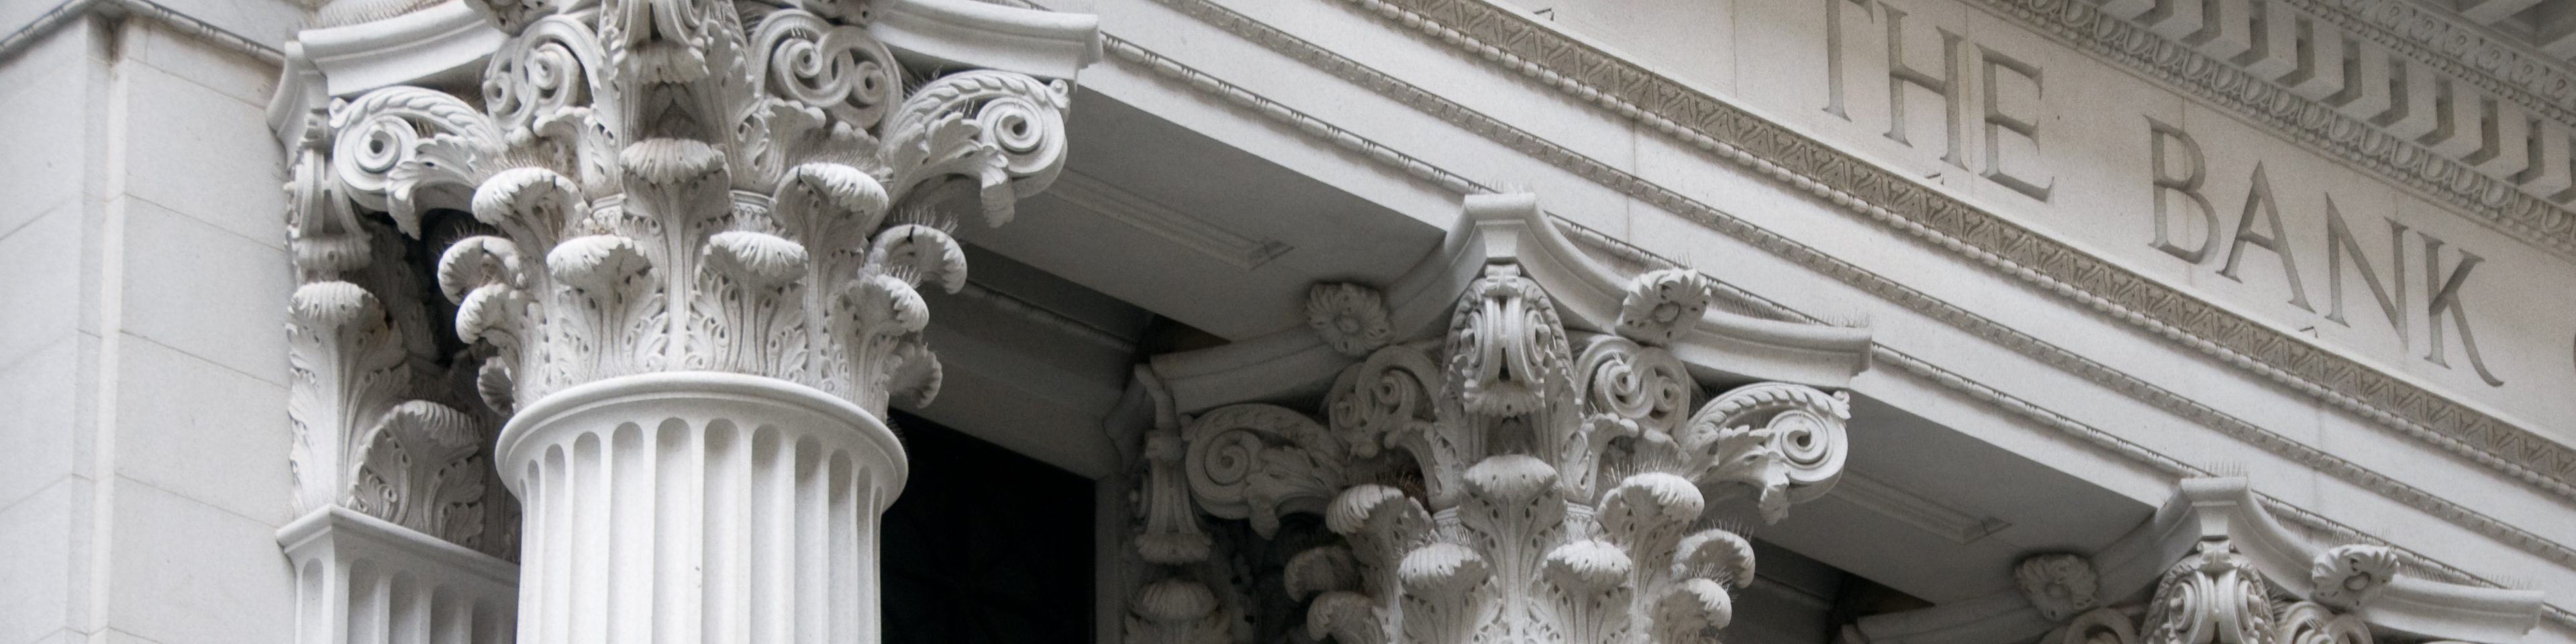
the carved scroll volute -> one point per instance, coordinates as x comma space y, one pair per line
1628, 390
1507, 349
1262, 461
999, 135
360, 442
2213, 595
403, 150
1784, 441
2101, 626
2312, 623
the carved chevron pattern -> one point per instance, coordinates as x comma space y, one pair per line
1745, 139
1539, 148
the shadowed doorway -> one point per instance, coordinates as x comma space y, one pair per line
985, 546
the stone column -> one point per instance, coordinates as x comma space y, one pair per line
685, 239
699, 507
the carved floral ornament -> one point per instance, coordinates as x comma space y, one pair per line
1509, 481
2215, 568
653, 185
2213, 595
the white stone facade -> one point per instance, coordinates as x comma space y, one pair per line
1369, 321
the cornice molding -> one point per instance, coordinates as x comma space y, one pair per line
445, 39
1131, 54
2536, 80
64, 13
1726, 133
2312, 124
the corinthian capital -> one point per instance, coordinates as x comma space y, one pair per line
1512, 480
699, 185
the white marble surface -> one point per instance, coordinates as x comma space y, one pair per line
143, 351
174, 148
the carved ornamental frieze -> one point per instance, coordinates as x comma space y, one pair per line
1509, 481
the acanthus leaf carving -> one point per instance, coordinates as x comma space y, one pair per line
358, 443
1506, 488
347, 361
1259, 461
2214, 595
708, 187
423, 470
654, 185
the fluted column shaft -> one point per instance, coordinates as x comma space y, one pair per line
691, 507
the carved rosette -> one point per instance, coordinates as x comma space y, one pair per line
1513, 481
2060, 585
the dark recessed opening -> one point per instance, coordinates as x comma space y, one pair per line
985, 546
